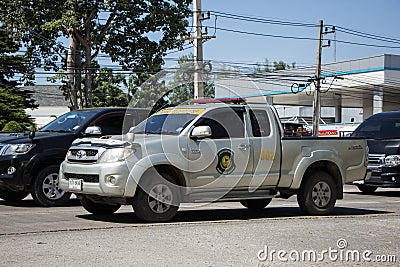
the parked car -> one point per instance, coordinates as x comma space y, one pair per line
210, 152
29, 163
382, 132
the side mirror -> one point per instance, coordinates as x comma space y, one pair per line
32, 135
201, 132
93, 130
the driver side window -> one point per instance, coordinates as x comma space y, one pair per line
110, 125
224, 123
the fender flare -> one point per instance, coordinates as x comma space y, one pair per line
139, 169
315, 157
52, 156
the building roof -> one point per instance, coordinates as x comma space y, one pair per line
48, 95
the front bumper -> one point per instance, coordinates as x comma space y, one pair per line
391, 175
12, 170
94, 178
381, 179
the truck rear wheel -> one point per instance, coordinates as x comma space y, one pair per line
98, 208
318, 193
256, 204
45, 189
157, 198
9, 195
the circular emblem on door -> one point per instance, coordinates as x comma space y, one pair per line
81, 154
226, 163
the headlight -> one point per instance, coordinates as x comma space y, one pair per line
392, 160
18, 149
116, 154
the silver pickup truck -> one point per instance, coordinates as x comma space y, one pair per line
210, 152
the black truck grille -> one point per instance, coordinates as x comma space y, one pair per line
89, 178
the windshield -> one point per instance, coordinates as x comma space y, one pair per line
69, 122
164, 124
379, 129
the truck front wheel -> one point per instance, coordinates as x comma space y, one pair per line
156, 199
45, 189
9, 195
98, 208
317, 194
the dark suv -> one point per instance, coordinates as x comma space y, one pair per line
29, 163
382, 132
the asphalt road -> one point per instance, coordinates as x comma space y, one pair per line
363, 230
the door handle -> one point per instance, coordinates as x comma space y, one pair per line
243, 146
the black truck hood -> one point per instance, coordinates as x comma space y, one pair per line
16, 138
387, 147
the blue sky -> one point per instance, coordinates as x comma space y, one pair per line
372, 16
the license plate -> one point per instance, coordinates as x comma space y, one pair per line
75, 184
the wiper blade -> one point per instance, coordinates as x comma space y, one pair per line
170, 132
146, 132
56, 131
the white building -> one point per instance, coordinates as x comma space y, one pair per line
353, 89
51, 102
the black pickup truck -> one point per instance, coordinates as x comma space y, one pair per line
382, 132
29, 163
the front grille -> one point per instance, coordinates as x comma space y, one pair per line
89, 153
376, 159
89, 178
375, 163
83, 154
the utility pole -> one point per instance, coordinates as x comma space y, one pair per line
198, 50
317, 92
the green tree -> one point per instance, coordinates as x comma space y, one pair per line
12, 109
107, 90
134, 33
161, 90
13, 100
276, 66
13, 126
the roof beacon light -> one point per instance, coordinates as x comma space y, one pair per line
228, 100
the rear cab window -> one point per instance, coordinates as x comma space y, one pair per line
260, 124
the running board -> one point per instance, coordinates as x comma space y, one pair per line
199, 197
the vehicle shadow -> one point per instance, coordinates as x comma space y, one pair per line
378, 193
31, 203
228, 215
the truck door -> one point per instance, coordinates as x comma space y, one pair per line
266, 152
224, 159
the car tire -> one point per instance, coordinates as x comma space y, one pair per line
157, 198
256, 204
367, 189
98, 208
317, 194
9, 195
45, 188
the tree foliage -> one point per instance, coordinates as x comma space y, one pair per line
275, 66
161, 90
107, 89
13, 100
13, 126
133, 33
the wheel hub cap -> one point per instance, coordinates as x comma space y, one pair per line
160, 198
321, 194
51, 187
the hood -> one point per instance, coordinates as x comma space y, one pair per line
388, 147
15, 138
7, 137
